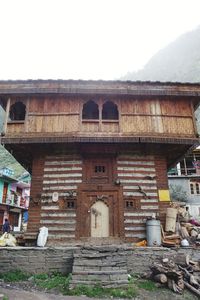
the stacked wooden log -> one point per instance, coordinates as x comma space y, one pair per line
177, 274
184, 228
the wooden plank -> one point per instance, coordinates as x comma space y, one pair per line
6, 116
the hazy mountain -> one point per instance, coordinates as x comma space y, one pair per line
179, 61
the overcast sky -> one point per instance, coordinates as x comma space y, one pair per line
87, 39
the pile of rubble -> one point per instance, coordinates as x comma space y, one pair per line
178, 273
180, 229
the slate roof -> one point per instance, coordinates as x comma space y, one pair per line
11, 87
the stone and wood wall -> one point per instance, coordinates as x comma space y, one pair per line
135, 180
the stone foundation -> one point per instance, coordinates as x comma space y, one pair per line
37, 260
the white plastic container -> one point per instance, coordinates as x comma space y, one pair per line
42, 236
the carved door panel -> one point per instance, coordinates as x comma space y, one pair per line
99, 212
99, 216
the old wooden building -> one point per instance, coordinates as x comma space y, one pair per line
98, 151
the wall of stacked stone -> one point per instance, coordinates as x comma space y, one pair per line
47, 260
35, 260
140, 259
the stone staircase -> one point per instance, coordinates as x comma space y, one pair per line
103, 265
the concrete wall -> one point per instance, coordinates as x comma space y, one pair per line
184, 184
48, 260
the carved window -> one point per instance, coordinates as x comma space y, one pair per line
191, 188
132, 204
17, 111
99, 169
70, 204
110, 111
195, 188
129, 204
90, 111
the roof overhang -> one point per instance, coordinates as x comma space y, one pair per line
94, 139
131, 88
7, 178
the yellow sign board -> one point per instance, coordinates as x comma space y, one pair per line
164, 195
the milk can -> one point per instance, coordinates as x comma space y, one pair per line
153, 231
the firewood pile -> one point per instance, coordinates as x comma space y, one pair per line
177, 274
180, 228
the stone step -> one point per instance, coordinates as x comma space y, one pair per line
77, 269
105, 265
103, 277
95, 272
99, 263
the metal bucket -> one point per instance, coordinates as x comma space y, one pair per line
153, 231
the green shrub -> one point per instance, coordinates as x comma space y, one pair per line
99, 292
12, 276
53, 281
147, 285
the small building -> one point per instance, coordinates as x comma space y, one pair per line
184, 182
98, 151
14, 192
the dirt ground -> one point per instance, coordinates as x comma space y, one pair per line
20, 292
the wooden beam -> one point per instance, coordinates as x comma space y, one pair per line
193, 118
6, 116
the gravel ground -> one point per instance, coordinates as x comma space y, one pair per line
26, 291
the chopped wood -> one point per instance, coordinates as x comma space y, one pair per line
191, 288
171, 272
172, 237
169, 243
162, 278
182, 259
195, 266
193, 262
193, 233
190, 277
174, 287
162, 232
184, 232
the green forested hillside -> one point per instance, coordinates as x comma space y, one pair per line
179, 61
6, 159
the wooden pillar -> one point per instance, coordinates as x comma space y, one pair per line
194, 119
100, 114
27, 113
6, 116
185, 166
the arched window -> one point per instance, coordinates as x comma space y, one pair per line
110, 111
90, 110
17, 111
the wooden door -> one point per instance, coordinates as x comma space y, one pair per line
5, 191
99, 215
106, 202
